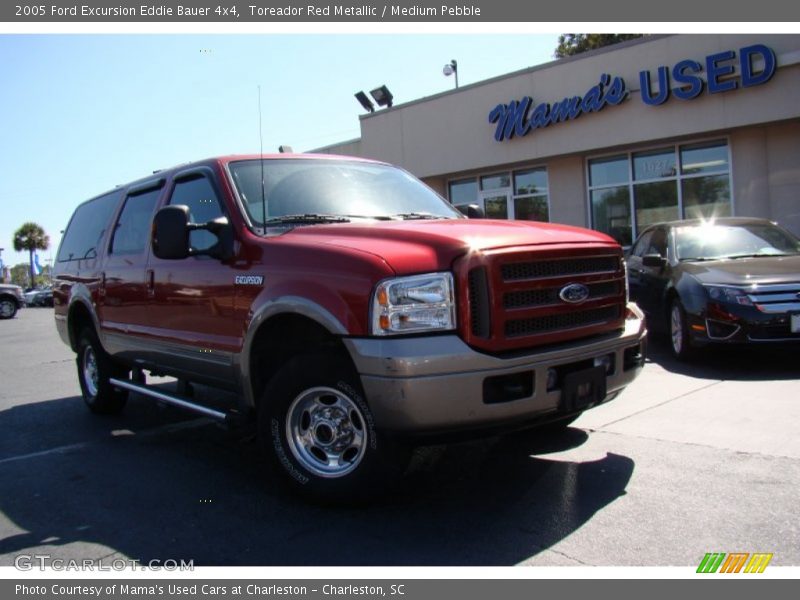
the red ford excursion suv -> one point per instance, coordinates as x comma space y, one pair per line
350, 308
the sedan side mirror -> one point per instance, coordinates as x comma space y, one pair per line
655, 261
474, 211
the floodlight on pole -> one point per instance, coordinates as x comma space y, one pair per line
365, 102
382, 96
451, 68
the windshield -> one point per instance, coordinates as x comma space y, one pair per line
319, 188
710, 241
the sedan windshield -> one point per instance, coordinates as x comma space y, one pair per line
713, 241
309, 191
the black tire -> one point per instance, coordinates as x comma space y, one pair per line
314, 423
95, 368
680, 342
8, 308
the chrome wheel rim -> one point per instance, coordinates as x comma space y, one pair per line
6, 308
326, 432
90, 372
676, 329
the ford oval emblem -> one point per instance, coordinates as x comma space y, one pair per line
574, 293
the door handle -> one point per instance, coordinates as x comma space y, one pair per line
151, 283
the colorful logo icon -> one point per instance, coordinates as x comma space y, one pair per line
734, 562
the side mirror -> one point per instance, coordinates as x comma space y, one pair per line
655, 261
474, 211
172, 229
171, 232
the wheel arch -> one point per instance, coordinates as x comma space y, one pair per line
277, 336
79, 317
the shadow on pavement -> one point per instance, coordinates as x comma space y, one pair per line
200, 492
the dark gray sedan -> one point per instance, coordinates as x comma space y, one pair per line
730, 280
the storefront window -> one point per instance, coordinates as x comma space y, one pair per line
704, 158
495, 182
496, 207
706, 197
463, 193
655, 164
531, 208
608, 171
611, 213
665, 184
531, 182
520, 195
655, 202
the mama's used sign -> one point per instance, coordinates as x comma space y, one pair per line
690, 78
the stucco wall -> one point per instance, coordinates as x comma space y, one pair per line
450, 133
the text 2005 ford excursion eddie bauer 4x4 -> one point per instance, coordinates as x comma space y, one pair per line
350, 307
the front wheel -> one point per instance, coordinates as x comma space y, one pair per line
313, 420
680, 341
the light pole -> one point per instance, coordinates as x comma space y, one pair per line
451, 68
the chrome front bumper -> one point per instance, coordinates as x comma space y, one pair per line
438, 383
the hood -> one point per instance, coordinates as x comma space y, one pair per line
417, 246
746, 271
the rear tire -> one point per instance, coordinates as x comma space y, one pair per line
314, 423
95, 369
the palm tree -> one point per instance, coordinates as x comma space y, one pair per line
31, 237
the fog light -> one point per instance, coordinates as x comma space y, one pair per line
606, 361
552, 379
720, 330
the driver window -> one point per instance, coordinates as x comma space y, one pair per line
642, 244
658, 243
204, 206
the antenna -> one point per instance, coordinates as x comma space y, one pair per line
261, 151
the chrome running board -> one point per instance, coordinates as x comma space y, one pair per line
170, 399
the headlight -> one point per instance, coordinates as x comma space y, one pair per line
731, 295
414, 304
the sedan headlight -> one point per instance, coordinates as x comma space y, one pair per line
731, 295
414, 304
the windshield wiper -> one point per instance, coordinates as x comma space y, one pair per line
307, 218
416, 216
370, 217
735, 256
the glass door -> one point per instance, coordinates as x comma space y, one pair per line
496, 204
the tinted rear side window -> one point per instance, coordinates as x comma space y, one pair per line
133, 225
87, 228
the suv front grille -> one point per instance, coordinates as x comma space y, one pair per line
559, 268
549, 296
514, 297
520, 327
777, 298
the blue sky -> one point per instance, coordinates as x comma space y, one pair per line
80, 114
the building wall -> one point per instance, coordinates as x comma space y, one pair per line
450, 133
567, 186
448, 136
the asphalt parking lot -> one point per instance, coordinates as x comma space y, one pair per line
689, 460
